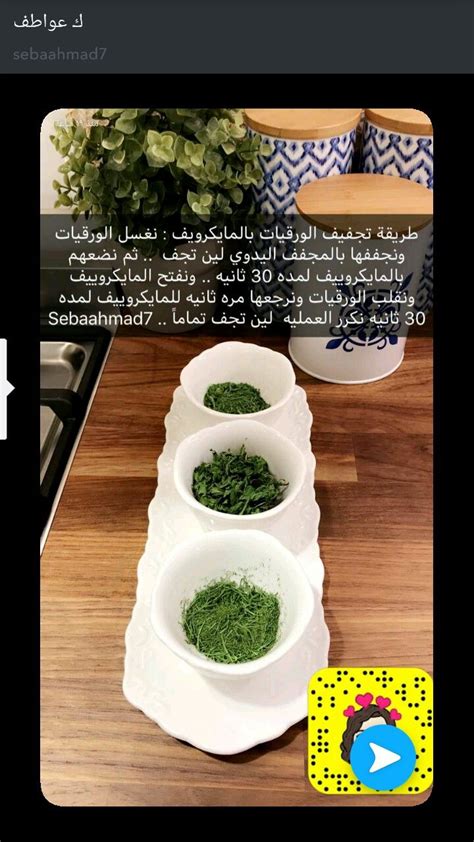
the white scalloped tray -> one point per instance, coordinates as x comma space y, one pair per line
218, 716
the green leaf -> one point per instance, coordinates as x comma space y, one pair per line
192, 198
152, 137
125, 126
124, 189
142, 188
97, 188
91, 172
117, 166
79, 134
65, 144
238, 131
83, 205
161, 151
237, 195
168, 139
119, 156
133, 150
112, 140
76, 166
63, 200
96, 134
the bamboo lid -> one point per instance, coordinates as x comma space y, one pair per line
302, 123
407, 120
337, 201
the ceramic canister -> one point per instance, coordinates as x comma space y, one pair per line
306, 144
352, 348
399, 142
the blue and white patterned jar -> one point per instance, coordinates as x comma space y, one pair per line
306, 144
360, 342
399, 142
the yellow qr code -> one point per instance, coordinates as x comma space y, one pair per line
344, 702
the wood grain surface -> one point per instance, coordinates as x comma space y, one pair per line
354, 200
301, 123
408, 120
373, 446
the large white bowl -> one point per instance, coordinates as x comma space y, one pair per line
215, 555
284, 459
240, 362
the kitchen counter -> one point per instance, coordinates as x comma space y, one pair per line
373, 446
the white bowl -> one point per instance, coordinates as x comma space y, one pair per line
215, 555
240, 362
284, 459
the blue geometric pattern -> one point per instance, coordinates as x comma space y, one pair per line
424, 293
293, 163
290, 165
405, 156
366, 332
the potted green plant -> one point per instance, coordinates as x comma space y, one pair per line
132, 167
131, 164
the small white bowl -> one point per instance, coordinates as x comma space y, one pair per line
240, 362
215, 555
284, 459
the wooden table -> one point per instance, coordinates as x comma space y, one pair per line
373, 445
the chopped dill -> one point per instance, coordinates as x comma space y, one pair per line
232, 622
234, 398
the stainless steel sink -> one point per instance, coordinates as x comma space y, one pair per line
50, 431
63, 364
71, 363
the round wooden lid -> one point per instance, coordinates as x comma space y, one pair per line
336, 200
407, 120
302, 123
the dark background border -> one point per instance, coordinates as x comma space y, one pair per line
28, 100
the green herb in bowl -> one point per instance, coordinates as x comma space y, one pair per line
231, 622
237, 483
234, 398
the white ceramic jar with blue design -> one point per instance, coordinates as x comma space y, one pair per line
399, 142
306, 144
360, 341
